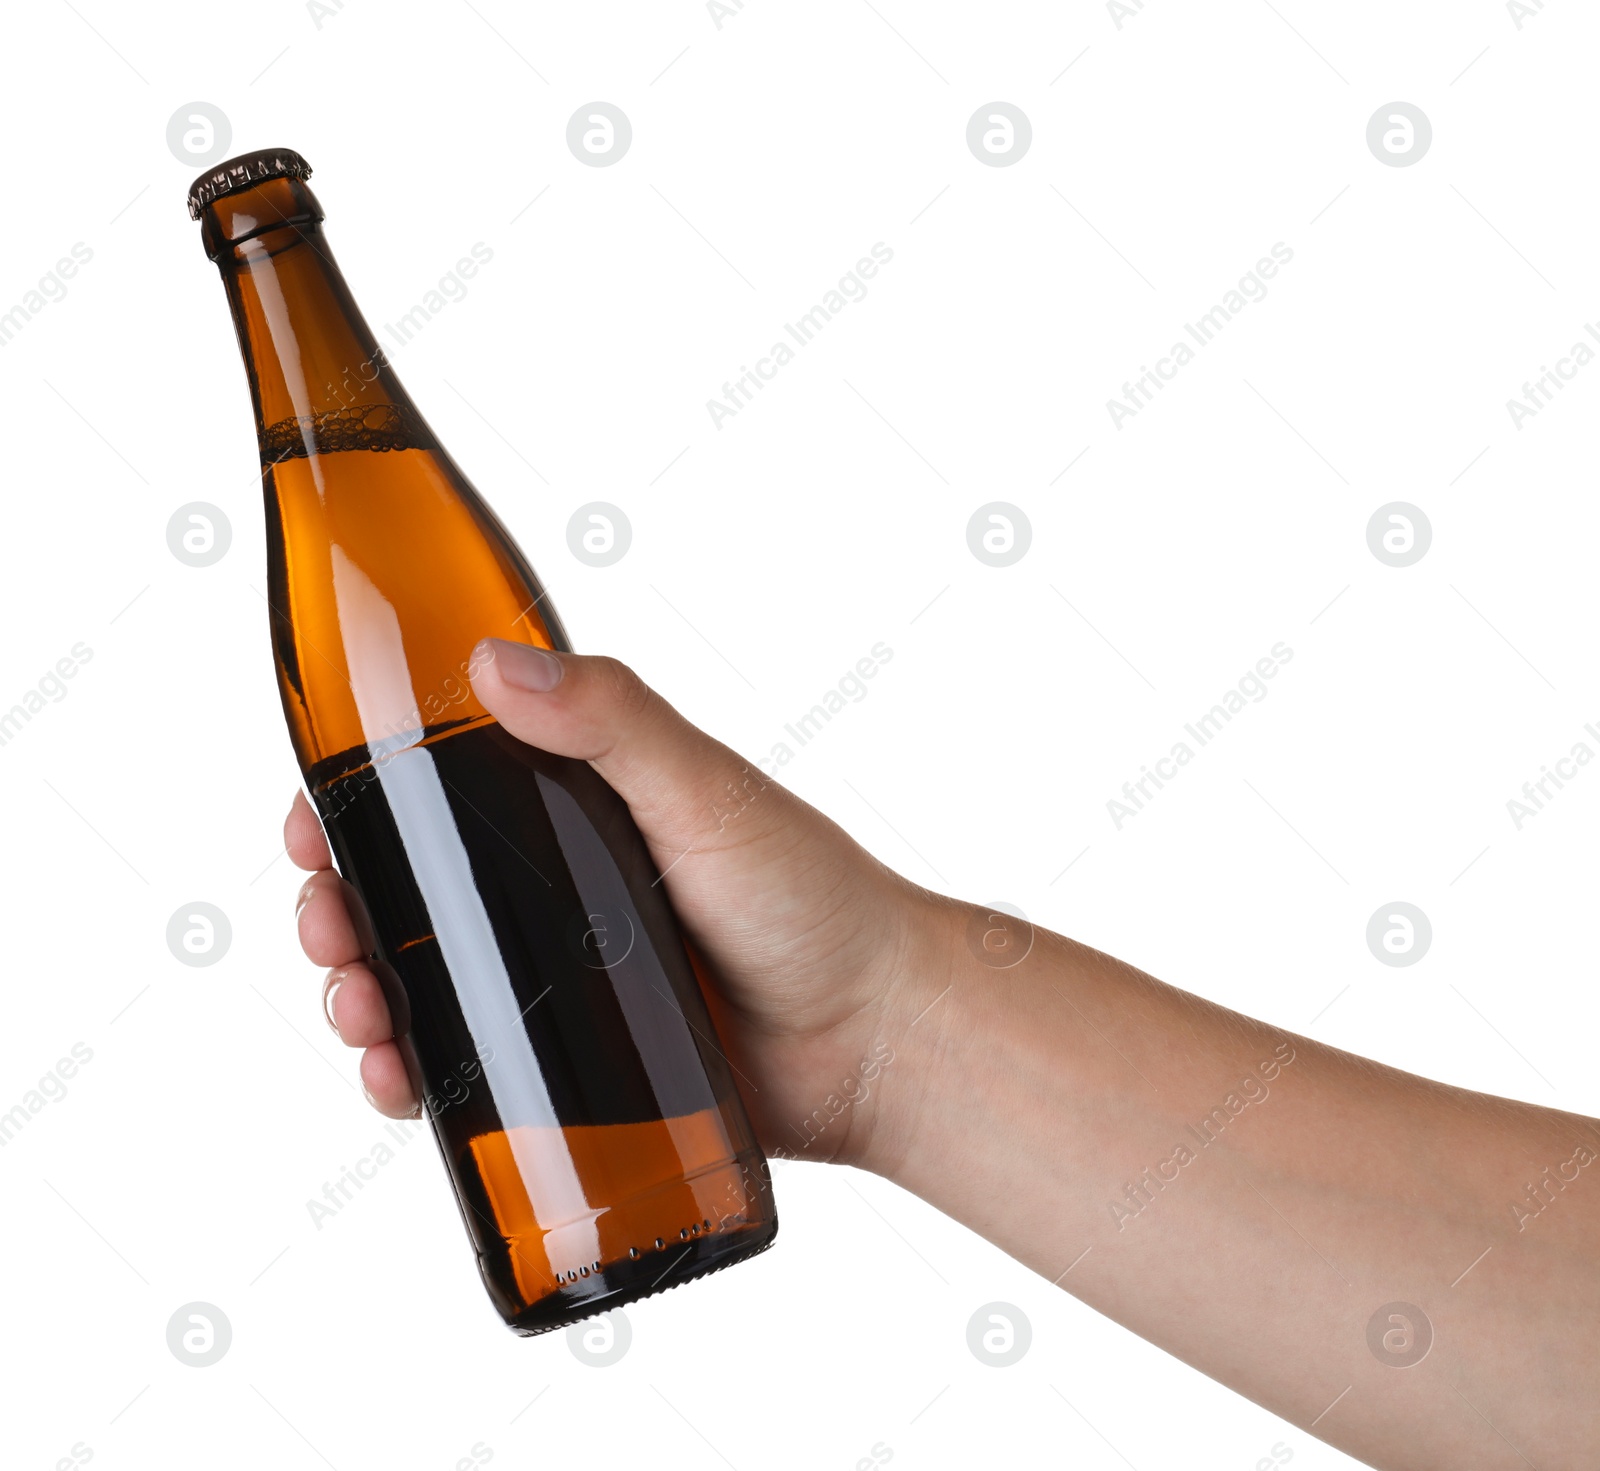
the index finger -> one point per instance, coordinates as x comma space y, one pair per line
303, 839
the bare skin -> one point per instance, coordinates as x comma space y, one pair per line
1246, 1198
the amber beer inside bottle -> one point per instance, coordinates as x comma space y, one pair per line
548, 1011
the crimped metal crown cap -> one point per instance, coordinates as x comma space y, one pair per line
244, 172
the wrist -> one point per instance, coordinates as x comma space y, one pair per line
988, 1052
905, 1033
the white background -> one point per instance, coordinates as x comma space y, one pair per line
769, 555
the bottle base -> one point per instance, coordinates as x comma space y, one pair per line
627, 1282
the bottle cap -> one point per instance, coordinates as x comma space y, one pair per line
245, 172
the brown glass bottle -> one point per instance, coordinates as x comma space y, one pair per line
543, 999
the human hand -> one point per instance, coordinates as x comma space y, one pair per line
1079, 1113
808, 942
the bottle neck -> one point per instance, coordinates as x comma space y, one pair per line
319, 380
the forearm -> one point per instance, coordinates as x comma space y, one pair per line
1248, 1199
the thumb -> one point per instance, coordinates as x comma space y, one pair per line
679, 783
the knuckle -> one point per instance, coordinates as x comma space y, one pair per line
630, 695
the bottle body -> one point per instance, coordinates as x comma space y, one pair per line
544, 1001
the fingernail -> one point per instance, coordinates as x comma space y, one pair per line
306, 892
526, 667
329, 990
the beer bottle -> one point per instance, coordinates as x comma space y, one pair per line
547, 1009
